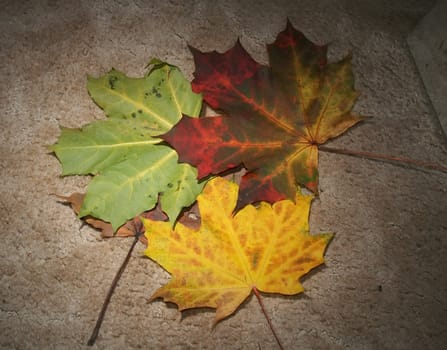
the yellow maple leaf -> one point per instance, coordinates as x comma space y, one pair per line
266, 248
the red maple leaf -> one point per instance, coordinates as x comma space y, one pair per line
273, 117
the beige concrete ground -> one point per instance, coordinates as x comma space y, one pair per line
428, 45
385, 282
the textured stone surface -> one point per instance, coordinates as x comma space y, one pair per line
428, 45
384, 285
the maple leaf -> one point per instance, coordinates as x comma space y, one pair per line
131, 168
274, 117
266, 248
76, 199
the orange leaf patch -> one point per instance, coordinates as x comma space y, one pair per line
272, 117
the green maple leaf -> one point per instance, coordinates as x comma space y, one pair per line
131, 169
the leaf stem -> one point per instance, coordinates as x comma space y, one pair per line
377, 156
258, 296
114, 284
